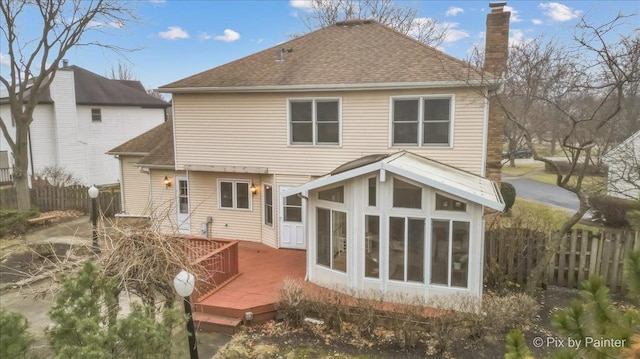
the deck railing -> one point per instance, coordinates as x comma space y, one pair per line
5, 176
218, 257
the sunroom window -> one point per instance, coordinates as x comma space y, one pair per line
406, 249
406, 195
450, 253
444, 203
333, 194
331, 234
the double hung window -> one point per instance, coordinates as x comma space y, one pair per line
421, 121
314, 122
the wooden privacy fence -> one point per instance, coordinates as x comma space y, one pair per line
52, 198
511, 254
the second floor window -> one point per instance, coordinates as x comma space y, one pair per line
96, 115
423, 121
314, 122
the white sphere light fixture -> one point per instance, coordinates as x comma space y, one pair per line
184, 283
93, 192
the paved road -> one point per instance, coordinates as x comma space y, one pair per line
542, 192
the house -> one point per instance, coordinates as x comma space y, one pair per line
363, 147
624, 168
79, 117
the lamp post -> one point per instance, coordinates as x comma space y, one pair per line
184, 283
93, 193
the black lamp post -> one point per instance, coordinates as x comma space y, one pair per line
184, 283
93, 193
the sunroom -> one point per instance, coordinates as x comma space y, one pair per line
398, 223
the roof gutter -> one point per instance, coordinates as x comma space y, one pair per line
333, 87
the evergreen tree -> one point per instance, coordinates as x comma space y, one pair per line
595, 317
14, 339
86, 324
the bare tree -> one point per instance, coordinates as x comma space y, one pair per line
400, 17
58, 176
624, 170
583, 89
33, 62
123, 72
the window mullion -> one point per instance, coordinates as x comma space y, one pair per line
420, 122
314, 123
331, 250
406, 247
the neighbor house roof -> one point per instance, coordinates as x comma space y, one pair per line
156, 145
630, 141
93, 89
347, 54
420, 169
44, 96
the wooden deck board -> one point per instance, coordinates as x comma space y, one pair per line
263, 271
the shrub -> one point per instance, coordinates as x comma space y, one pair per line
15, 222
14, 339
508, 194
611, 209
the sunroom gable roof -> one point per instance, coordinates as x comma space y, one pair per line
431, 173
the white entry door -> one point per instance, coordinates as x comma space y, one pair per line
182, 205
292, 214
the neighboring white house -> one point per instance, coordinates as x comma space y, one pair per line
356, 143
81, 116
624, 168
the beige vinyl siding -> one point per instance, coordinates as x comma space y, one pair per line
251, 130
227, 223
163, 205
135, 187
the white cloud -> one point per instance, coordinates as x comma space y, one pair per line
559, 12
205, 36
452, 34
514, 14
453, 11
301, 4
174, 32
229, 36
4, 60
536, 21
516, 37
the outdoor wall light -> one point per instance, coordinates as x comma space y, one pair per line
253, 188
184, 284
167, 182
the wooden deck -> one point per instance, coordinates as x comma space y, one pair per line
262, 272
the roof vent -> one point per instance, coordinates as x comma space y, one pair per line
353, 22
65, 63
282, 52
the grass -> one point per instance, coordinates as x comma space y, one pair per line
544, 216
521, 170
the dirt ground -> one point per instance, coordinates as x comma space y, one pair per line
31, 255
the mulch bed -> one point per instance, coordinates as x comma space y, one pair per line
39, 258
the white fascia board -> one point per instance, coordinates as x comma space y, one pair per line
331, 179
332, 87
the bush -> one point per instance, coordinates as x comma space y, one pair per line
14, 339
15, 222
611, 209
600, 170
402, 321
508, 194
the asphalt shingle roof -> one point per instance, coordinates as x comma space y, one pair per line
93, 89
156, 145
350, 52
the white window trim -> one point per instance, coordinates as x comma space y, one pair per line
264, 204
234, 195
314, 123
405, 249
331, 247
421, 98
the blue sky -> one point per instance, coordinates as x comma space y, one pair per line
181, 38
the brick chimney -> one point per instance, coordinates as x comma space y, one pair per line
496, 50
